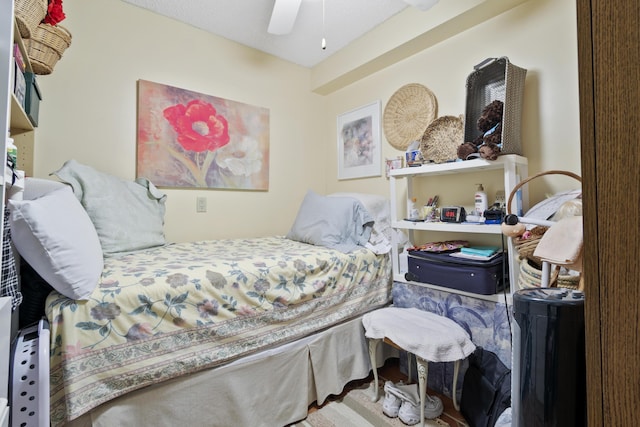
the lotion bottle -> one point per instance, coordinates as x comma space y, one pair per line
480, 199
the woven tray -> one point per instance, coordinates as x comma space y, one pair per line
407, 114
441, 139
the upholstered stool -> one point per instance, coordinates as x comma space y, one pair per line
428, 336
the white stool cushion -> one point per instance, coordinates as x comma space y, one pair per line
427, 335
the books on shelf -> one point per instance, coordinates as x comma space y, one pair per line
480, 250
20, 85
17, 55
480, 253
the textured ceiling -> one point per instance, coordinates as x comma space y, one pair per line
246, 22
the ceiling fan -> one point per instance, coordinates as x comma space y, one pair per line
285, 12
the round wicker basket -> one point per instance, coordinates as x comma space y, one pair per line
28, 14
526, 247
530, 276
442, 138
407, 114
46, 46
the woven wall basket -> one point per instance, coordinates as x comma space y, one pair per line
407, 114
29, 13
442, 138
46, 46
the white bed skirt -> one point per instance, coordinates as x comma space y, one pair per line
272, 388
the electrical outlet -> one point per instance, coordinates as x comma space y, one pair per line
201, 204
500, 200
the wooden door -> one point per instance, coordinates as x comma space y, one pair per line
609, 67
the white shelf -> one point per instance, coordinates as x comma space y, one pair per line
450, 227
512, 166
502, 162
20, 122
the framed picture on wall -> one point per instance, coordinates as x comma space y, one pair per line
359, 145
188, 139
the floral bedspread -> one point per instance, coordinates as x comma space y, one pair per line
184, 307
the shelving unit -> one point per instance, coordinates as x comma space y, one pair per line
512, 167
20, 127
13, 122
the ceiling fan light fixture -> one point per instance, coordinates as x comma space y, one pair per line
422, 4
283, 16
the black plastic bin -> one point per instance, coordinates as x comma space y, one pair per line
552, 373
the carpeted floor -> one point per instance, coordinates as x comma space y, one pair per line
356, 409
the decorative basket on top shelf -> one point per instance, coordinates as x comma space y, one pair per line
530, 271
496, 79
28, 14
46, 47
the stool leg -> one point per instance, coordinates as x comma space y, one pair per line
456, 370
373, 345
423, 370
409, 368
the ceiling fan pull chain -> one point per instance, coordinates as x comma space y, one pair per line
324, 41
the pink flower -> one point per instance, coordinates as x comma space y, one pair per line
198, 126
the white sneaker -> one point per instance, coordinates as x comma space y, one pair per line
409, 412
391, 403
433, 407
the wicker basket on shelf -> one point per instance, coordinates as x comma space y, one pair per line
46, 46
530, 271
530, 276
28, 14
496, 78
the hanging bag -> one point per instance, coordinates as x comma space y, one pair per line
486, 389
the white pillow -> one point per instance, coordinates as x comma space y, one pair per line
340, 223
378, 206
54, 234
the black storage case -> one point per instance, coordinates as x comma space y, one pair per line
550, 357
469, 275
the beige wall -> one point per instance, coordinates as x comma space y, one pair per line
539, 35
89, 106
89, 112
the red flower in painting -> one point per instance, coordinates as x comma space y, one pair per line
54, 12
198, 125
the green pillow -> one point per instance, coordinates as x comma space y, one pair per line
127, 215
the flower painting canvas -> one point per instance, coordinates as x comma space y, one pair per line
187, 139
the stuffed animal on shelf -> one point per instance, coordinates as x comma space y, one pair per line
488, 144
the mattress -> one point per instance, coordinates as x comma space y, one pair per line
178, 309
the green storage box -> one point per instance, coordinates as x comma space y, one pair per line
32, 98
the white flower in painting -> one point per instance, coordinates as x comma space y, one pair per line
240, 157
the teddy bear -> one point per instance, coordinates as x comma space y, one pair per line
488, 143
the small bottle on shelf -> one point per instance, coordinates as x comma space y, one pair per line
480, 199
413, 211
12, 152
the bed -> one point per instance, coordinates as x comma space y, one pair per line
226, 332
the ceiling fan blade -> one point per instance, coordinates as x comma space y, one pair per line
422, 4
283, 16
